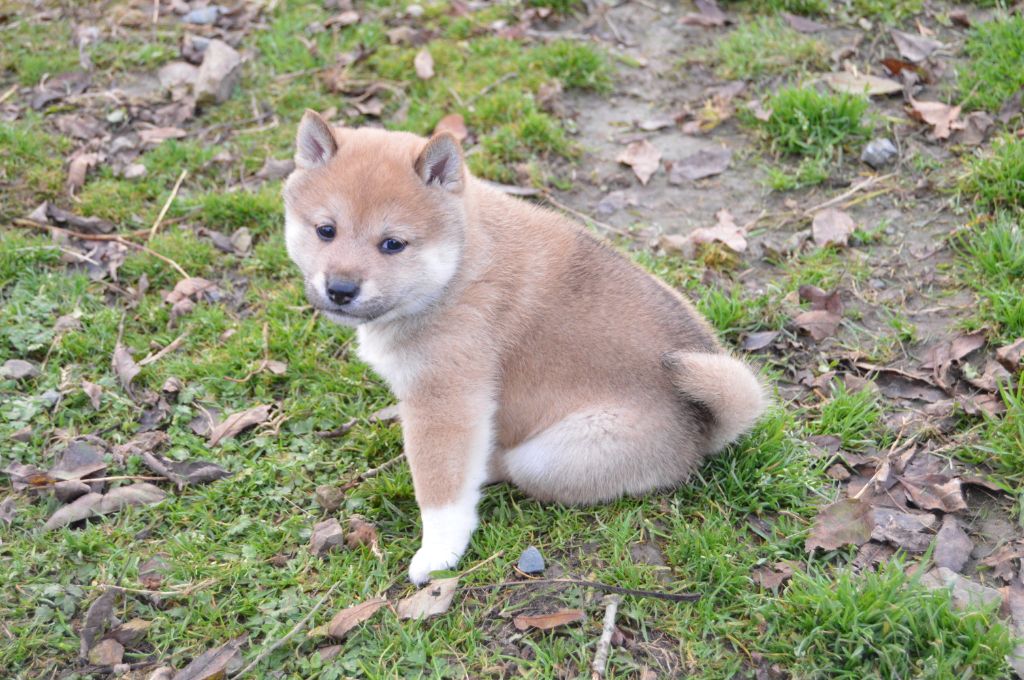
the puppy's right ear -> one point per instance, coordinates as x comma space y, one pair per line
315, 144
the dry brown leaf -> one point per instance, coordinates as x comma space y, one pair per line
709, 15
454, 124
78, 168
431, 600
1011, 355
952, 545
193, 288
818, 323
942, 117
700, 165
909, 531
360, 532
350, 617
214, 664
770, 577
832, 227
124, 366
935, 492
726, 232
643, 157
424, 64
912, 47
975, 128
81, 508
861, 83
140, 493
802, 24
94, 392
548, 621
759, 340
845, 522
236, 422
97, 618
79, 460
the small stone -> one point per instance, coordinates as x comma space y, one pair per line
162, 673
203, 16
131, 632
966, 594
414, 11
329, 497
879, 152
106, 653
50, 397
327, 536
219, 73
18, 369
531, 561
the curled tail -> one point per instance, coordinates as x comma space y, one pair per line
726, 386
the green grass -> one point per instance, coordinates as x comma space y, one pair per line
993, 71
992, 257
766, 46
994, 178
887, 11
854, 417
883, 625
998, 444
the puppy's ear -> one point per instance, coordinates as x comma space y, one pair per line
315, 144
440, 163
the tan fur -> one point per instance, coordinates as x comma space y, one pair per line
582, 376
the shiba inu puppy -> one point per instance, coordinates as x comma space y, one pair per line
520, 347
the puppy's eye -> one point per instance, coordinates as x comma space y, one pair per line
326, 232
390, 246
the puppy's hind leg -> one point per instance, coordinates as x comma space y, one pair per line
601, 454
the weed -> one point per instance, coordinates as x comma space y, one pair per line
993, 257
993, 72
766, 46
994, 180
999, 445
806, 122
854, 417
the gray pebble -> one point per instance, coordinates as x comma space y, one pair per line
204, 16
531, 561
879, 152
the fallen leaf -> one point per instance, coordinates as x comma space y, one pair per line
48, 212
952, 545
236, 422
726, 232
350, 617
346, 18
700, 165
81, 508
905, 530
97, 618
124, 366
156, 135
140, 493
975, 128
186, 472
78, 168
1004, 561
643, 157
1011, 355
131, 632
424, 64
758, 340
942, 117
770, 577
106, 653
214, 664
861, 83
992, 378
153, 571
845, 522
326, 536
94, 392
708, 16
819, 299
912, 47
966, 594
431, 600
79, 460
388, 414
193, 288
26, 476
360, 532
275, 169
548, 621
7, 510
935, 492
818, 323
802, 24
832, 227
898, 66
453, 124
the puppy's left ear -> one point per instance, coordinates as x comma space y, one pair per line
315, 144
440, 163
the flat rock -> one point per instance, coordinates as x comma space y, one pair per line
327, 536
106, 653
878, 153
219, 74
966, 593
18, 369
177, 73
531, 561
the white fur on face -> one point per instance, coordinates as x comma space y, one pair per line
447, 529
297, 241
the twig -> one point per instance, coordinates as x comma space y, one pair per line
167, 204
173, 345
340, 431
586, 218
870, 181
480, 564
372, 472
32, 224
671, 597
6, 95
508, 76
186, 591
601, 655
116, 478
294, 631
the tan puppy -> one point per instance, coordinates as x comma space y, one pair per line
520, 347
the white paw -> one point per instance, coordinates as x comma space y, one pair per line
431, 558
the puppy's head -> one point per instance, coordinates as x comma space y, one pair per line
374, 219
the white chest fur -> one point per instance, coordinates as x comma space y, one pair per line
381, 347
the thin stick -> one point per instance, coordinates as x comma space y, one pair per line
173, 345
601, 655
586, 218
480, 564
372, 472
671, 597
292, 633
20, 222
11, 90
90, 480
870, 181
167, 204
338, 431
188, 590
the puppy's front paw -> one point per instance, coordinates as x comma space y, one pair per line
431, 558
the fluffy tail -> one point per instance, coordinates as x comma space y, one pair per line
726, 386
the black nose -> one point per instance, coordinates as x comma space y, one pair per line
342, 292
